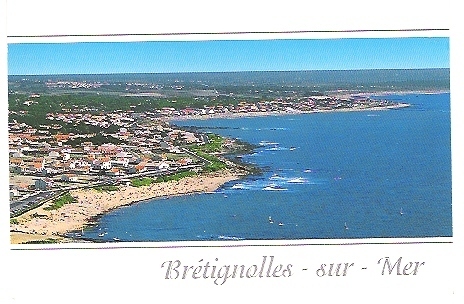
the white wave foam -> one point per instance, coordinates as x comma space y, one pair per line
267, 143
232, 238
298, 180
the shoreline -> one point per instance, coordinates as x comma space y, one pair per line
347, 94
41, 225
279, 113
405, 92
234, 115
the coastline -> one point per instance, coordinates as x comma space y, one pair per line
41, 225
280, 113
233, 115
349, 94
405, 92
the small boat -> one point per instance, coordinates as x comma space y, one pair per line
281, 224
275, 176
292, 148
101, 234
307, 171
346, 227
273, 187
270, 220
116, 239
401, 211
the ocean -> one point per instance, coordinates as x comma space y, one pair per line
337, 175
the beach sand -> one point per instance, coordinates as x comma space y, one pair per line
40, 224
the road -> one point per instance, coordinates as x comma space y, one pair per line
37, 199
31, 201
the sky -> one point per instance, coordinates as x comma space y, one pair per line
227, 55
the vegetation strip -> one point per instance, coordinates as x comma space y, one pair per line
65, 199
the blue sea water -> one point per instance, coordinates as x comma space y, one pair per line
340, 175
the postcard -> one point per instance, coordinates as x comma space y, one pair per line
271, 163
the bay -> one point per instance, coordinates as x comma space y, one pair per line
337, 175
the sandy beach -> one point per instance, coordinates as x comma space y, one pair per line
40, 224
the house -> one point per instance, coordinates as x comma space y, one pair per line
16, 154
163, 166
114, 172
16, 161
66, 156
141, 167
54, 154
150, 166
175, 150
38, 165
57, 167
185, 161
121, 163
61, 137
103, 163
106, 165
123, 154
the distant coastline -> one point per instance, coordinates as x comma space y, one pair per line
402, 92
278, 113
295, 112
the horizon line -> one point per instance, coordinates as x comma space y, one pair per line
244, 71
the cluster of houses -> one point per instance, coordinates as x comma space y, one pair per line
52, 162
73, 84
48, 156
313, 103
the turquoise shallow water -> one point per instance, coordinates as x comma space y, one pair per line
345, 175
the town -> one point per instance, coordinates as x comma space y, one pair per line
42, 165
88, 145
